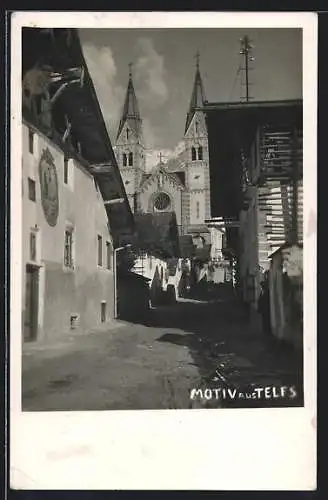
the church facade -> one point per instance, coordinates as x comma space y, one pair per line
181, 184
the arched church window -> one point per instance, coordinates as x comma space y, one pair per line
124, 160
200, 153
193, 154
130, 159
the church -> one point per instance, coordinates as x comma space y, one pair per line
181, 184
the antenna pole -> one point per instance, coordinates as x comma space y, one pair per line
245, 50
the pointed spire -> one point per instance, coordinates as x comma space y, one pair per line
198, 94
130, 111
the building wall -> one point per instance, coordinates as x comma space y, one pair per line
64, 291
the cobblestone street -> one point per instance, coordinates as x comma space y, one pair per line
192, 344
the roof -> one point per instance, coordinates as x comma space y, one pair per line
131, 276
283, 247
161, 168
217, 106
130, 111
56, 52
158, 233
197, 97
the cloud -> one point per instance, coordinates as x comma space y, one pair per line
150, 74
103, 71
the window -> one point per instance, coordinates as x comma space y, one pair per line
109, 254
196, 127
68, 250
66, 170
103, 311
99, 250
124, 160
31, 141
200, 153
130, 159
162, 201
127, 134
197, 209
193, 154
32, 245
31, 189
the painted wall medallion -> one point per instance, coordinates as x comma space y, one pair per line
49, 187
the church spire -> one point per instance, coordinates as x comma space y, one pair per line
198, 94
130, 112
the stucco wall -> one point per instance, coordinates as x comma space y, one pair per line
64, 291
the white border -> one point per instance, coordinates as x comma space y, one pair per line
199, 449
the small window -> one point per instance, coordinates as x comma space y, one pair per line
31, 189
196, 127
124, 160
68, 250
130, 159
127, 134
193, 154
200, 153
33, 245
99, 250
197, 209
66, 170
31, 141
103, 312
109, 254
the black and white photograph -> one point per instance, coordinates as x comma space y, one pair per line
162, 218
162, 231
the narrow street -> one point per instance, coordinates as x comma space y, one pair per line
196, 343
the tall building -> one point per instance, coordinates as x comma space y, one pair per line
181, 184
130, 147
75, 210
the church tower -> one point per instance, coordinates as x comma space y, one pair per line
129, 148
197, 163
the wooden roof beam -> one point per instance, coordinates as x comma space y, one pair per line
101, 168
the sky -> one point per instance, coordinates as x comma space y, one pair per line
164, 68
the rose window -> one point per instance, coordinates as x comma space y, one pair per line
162, 201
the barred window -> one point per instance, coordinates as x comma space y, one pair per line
200, 153
68, 248
124, 160
130, 159
193, 154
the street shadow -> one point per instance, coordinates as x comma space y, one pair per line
228, 352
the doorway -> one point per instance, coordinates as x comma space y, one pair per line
31, 303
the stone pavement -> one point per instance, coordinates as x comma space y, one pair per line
202, 342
